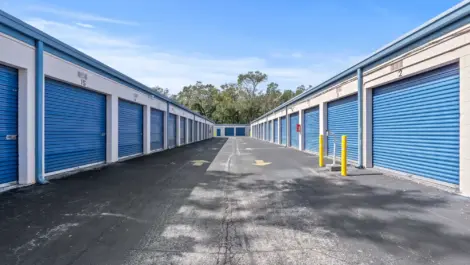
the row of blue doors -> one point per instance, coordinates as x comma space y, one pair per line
414, 122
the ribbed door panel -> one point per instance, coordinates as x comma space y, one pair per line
294, 135
218, 132
131, 132
311, 124
270, 131
156, 129
342, 120
276, 131
75, 126
266, 132
171, 130
196, 125
283, 130
229, 131
8, 124
240, 131
416, 124
190, 131
182, 130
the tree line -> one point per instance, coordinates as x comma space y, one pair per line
237, 102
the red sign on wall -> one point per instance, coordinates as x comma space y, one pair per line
298, 128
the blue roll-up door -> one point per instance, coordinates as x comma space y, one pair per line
311, 127
131, 132
202, 131
240, 131
190, 131
342, 120
283, 130
8, 124
276, 131
171, 130
416, 125
270, 131
294, 135
229, 131
266, 131
156, 129
74, 126
218, 132
196, 124
182, 131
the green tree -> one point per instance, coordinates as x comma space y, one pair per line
250, 82
199, 97
228, 105
161, 90
249, 86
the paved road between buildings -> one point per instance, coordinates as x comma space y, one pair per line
252, 203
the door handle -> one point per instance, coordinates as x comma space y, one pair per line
11, 137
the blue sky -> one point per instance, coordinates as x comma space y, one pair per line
173, 43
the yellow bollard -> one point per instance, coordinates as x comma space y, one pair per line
344, 155
321, 162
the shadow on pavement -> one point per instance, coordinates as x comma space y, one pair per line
156, 210
96, 216
343, 218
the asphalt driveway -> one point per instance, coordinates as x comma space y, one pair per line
232, 201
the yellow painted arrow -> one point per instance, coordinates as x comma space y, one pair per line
199, 163
261, 163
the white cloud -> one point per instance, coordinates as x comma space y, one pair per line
88, 26
152, 66
79, 15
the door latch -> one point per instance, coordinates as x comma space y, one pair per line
11, 137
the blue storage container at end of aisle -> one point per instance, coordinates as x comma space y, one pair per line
229, 131
240, 131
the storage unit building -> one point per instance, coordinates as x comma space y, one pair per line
63, 111
229, 130
403, 109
